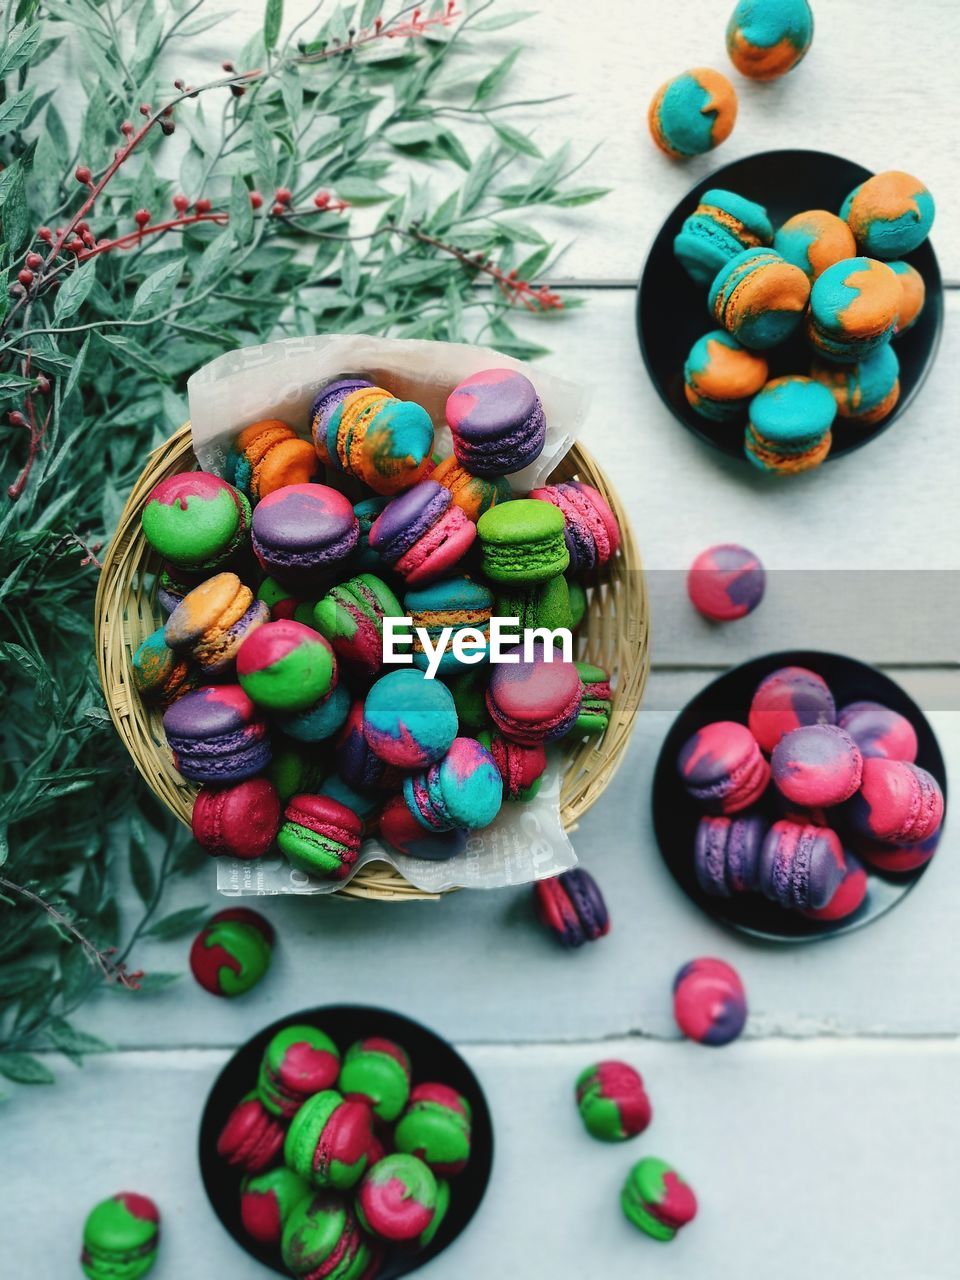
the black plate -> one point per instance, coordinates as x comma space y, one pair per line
675, 815
432, 1059
672, 310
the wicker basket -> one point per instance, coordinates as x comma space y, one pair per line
615, 635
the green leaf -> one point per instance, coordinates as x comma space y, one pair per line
24, 1069
402, 273
499, 21
241, 211
492, 81
214, 260
156, 292
57, 130
45, 173
516, 140
370, 11
141, 873
75, 290
272, 22
264, 154
178, 922
73, 1043
16, 215
22, 44
13, 112
579, 196
4, 844
361, 191
151, 983
479, 176
74, 375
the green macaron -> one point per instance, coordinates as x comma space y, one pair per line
578, 602
596, 701
523, 541
379, 1071
328, 1140
286, 666
120, 1238
542, 604
196, 520
656, 1199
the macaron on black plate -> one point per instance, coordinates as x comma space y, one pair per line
672, 310
432, 1059
676, 815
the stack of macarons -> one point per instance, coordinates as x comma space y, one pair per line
840, 279
802, 800
342, 1154
273, 670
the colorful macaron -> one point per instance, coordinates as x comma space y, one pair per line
328, 1140
455, 605
520, 766
913, 294
726, 854
303, 532
578, 602
240, 821
726, 582
722, 225
721, 376
422, 534
358, 765
596, 699
351, 617
196, 520
879, 731
364, 559
591, 531
462, 790
397, 1198
406, 834
269, 455
657, 1200
692, 113
252, 1138
767, 38
612, 1101
523, 541
866, 392
898, 802
331, 396
161, 676
722, 767
370, 434
759, 298
377, 1070
299, 1061
285, 666
790, 426
321, 720
787, 699
849, 896
890, 214
471, 493
709, 1002
217, 736
818, 765
853, 310
232, 952
120, 1238
815, 240
267, 1201
173, 584
322, 1240
320, 836
298, 769
896, 859
408, 720
537, 700
536, 604
497, 422
211, 623
801, 865
571, 906
435, 1127
284, 602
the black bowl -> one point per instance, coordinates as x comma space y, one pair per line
675, 815
432, 1059
672, 310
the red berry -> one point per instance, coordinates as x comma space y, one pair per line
45, 234
16, 418
283, 195
126, 128
142, 217
278, 208
26, 277
228, 66
83, 174
146, 109
43, 384
88, 239
203, 205
167, 127
75, 246
34, 260
256, 199
181, 203
321, 199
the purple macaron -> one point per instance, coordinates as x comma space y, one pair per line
787, 699
357, 763
878, 731
216, 735
497, 423
422, 534
330, 396
572, 907
727, 854
801, 866
303, 531
819, 764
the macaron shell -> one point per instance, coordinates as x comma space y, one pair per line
722, 767
497, 422
302, 529
759, 298
767, 38
398, 1198
709, 1002
815, 240
787, 699
534, 701
879, 731
193, 519
693, 113
890, 214
897, 802
726, 582
612, 1101
239, 821
817, 765
801, 865
409, 720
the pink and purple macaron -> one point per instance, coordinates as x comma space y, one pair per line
358, 765
461, 791
521, 767
422, 534
299, 1061
217, 735
535, 701
252, 1138
787, 699
879, 731
397, 1199
801, 865
817, 765
266, 1202
898, 802
591, 530
722, 767
897, 859
727, 854
320, 836
408, 720
232, 952
849, 896
195, 520
612, 1101
286, 666
726, 582
571, 906
436, 1128
709, 1002
497, 422
302, 532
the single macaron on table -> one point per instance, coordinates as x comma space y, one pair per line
377, 1141
799, 796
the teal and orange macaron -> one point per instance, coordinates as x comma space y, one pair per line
890, 214
814, 240
759, 298
596, 699
721, 376
657, 1200
472, 494
267, 1201
612, 1101
321, 836
285, 666
322, 1240
693, 113
523, 541
436, 1128
120, 1238
397, 1199
460, 604
767, 38
722, 225
232, 952
211, 623
790, 425
351, 616
160, 675
328, 1140
196, 520
370, 434
299, 1061
913, 295
854, 307
866, 392
268, 455
377, 1070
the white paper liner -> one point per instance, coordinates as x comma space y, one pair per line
527, 841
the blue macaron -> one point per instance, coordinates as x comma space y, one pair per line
722, 225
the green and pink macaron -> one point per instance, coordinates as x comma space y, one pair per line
329, 1139
397, 1200
657, 1200
120, 1238
321, 836
298, 1062
378, 1071
232, 952
286, 666
612, 1101
267, 1201
196, 520
436, 1128
322, 1240
351, 617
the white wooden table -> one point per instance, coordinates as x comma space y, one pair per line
827, 1141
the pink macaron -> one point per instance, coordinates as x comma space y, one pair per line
726, 582
879, 731
819, 764
898, 802
786, 700
848, 897
536, 701
422, 534
723, 768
